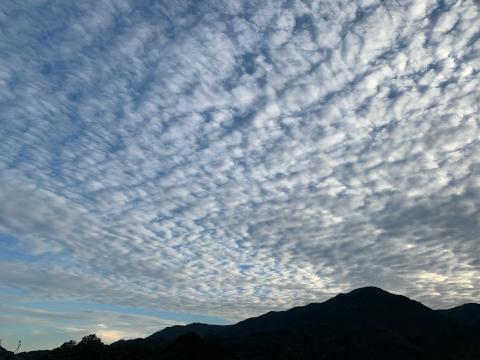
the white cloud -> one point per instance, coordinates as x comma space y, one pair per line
155, 150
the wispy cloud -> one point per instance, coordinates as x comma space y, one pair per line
50, 327
229, 159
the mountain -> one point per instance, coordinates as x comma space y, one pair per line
31, 355
368, 307
367, 323
5, 354
467, 313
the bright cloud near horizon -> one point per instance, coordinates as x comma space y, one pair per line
163, 162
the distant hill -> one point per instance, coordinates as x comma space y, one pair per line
367, 323
5, 354
32, 355
362, 308
467, 313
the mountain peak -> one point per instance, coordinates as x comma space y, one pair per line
370, 290
372, 294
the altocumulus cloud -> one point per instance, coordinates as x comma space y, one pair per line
229, 158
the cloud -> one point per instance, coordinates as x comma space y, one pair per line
233, 159
75, 321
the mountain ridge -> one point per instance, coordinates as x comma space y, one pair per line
333, 309
365, 323
468, 312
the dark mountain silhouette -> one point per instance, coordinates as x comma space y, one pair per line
367, 323
362, 308
5, 354
467, 313
362, 321
32, 355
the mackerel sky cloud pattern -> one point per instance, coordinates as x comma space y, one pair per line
230, 158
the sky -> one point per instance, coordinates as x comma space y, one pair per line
163, 162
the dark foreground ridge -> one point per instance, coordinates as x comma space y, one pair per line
367, 323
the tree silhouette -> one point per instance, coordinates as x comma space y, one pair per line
90, 340
68, 345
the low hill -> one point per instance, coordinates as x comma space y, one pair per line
467, 313
5, 354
